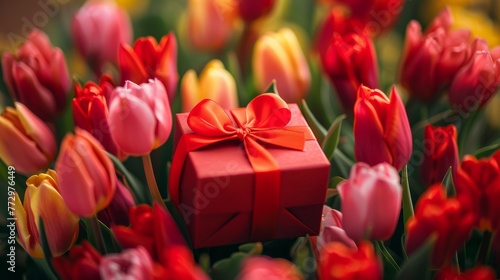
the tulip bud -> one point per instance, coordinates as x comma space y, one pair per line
27, 143
477, 81
129, 264
440, 154
86, 174
250, 10
278, 57
37, 76
447, 219
90, 112
140, 119
215, 83
260, 267
42, 200
349, 61
98, 29
338, 261
364, 216
149, 60
477, 183
381, 128
430, 60
82, 263
210, 23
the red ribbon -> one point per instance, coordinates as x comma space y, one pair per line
263, 120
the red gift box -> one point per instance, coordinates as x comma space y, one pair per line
225, 190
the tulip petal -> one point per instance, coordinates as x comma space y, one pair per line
354, 213
190, 91
166, 69
131, 68
29, 242
8, 61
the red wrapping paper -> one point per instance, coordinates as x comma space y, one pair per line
217, 187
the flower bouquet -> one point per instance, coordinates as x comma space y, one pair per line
238, 139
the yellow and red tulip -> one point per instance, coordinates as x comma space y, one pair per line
43, 200
215, 83
149, 59
278, 56
29, 145
381, 128
86, 174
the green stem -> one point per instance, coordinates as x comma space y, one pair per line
484, 247
387, 256
407, 202
96, 231
150, 178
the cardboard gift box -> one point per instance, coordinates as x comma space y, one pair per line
228, 191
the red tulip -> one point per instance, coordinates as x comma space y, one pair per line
381, 129
27, 143
349, 61
250, 10
82, 263
140, 119
477, 273
149, 60
364, 217
477, 182
440, 154
478, 80
431, 60
90, 112
37, 76
179, 263
98, 29
86, 174
152, 228
340, 262
260, 267
446, 218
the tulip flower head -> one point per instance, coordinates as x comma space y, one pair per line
116, 213
98, 29
140, 119
81, 263
364, 217
446, 218
215, 83
149, 59
381, 128
129, 264
43, 200
442, 153
278, 56
331, 230
27, 143
260, 267
37, 76
86, 174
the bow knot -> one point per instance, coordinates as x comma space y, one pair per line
242, 132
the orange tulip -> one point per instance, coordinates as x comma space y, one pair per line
42, 199
28, 145
278, 56
215, 83
86, 174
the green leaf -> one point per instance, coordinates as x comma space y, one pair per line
251, 248
228, 269
318, 130
47, 267
110, 241
418, 266
233, 66
141, 193
303, 257
487, 151
272, 88
332, 137
391, 268
407, 202
332, 184
342, 162
448, 183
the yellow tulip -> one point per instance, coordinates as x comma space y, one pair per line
278, 56
215, 83
42, 199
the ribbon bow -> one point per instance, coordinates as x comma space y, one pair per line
262, 121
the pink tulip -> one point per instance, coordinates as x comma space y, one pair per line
86, 174
129, 264
430, 60
331, 230
371, 201
98, 29
477, 81
37, 76
259, 267
381, 128
140, 119
27, 143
